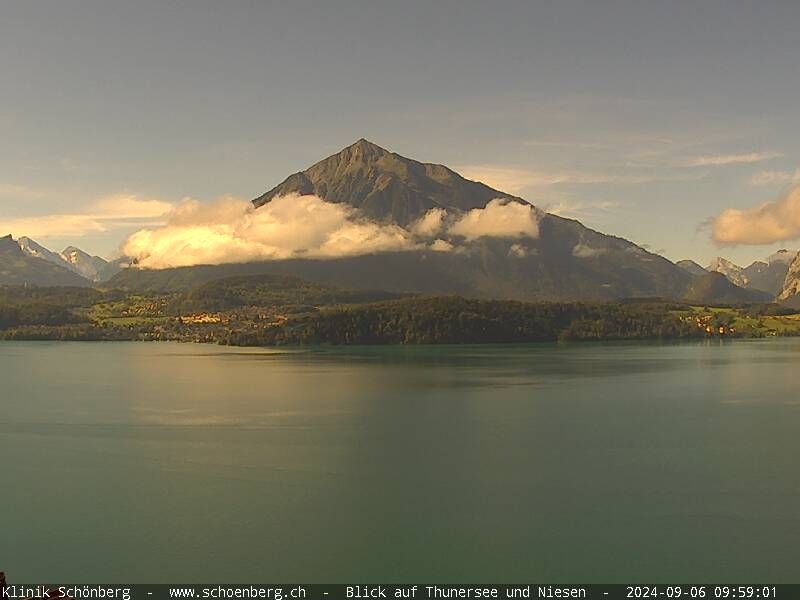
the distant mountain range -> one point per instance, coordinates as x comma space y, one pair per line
21, 267
25, 261
768, 275
564, 260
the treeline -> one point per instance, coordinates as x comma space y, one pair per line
280, 310
454, 320
24, 306
17, 295
267, 290
35, 314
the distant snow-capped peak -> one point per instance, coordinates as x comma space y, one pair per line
73, 258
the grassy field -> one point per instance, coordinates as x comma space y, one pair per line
744, 321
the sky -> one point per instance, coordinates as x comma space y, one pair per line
672, 124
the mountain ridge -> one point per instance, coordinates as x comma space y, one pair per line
93, 268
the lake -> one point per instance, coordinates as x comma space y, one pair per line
137, 462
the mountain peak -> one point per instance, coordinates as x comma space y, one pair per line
7, 243
731, 270
365, 144
361, 150
385, 186
719, 263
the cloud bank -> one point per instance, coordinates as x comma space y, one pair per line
106, 214
231, 230
767, 223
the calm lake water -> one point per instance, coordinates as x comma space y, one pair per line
143, 462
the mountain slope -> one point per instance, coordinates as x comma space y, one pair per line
716, 289
764, 275
767, 277
790, 293
83, 263
20, 268
783, 256
566, 261
111, 268
34, 248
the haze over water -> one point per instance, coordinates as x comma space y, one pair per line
582, 463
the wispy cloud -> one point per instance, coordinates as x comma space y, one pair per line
774, 177
719, 160
108, 213
516, 180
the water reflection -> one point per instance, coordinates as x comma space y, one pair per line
515, 463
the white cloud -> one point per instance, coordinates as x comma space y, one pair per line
718, 160
774, 177
769, 222
500, 218
431, 223
108, 213
231, 230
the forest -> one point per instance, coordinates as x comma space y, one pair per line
268, 310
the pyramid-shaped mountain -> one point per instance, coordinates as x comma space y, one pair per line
564, 261
385, 186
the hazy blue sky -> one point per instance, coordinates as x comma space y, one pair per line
642, 119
